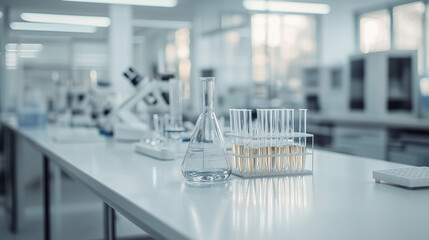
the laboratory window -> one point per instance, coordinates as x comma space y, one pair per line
374, 31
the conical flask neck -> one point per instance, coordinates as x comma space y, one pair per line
207, 90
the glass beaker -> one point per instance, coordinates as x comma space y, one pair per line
206, 159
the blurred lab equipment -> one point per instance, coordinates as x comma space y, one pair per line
313, 88
157, 129
174, 130
90, 106
150, 96
175, 123
270, 146
384, 83
57, 102
32, 109
75, 105
164, 140
206, 159
379, 84
324, 90
154, 143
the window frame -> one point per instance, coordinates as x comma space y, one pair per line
318, 37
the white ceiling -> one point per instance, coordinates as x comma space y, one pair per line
182, 12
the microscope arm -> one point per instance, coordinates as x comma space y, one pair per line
121, 112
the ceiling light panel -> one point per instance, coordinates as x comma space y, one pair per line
161, 24
66, 19
148, 3
51, 27
290, 7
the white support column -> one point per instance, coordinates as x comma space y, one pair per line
3, 39
120, 48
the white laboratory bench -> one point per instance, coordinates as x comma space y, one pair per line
339, 201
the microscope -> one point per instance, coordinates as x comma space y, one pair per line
151, 97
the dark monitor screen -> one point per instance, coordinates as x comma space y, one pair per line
357, 76
399, 84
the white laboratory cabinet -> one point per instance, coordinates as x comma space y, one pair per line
324, 89
384, 83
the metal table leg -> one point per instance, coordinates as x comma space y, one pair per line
47, 198
10, 177
14, 222
109, 223
56, 206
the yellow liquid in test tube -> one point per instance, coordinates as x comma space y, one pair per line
234, 158
303, 151
248, 153
279, 159
254, 159
262, 152
240, 159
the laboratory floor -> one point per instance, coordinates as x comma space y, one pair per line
80, 216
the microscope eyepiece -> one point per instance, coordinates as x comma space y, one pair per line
136, 80
133, 76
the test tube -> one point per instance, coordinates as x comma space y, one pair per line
158, 129
254, 143
295, 147
239, 144
267, 121
269, 145
241, 140
289, 148
241, 128
284, 138
175, 102
261, 139
233, 125
257, 140
247, 143
302, 139
155, 131
277, 165
281, 141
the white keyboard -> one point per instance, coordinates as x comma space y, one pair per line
408, 177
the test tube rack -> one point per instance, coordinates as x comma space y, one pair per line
272, 156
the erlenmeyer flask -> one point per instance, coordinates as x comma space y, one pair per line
206, 159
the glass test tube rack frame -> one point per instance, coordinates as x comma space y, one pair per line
285, 155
